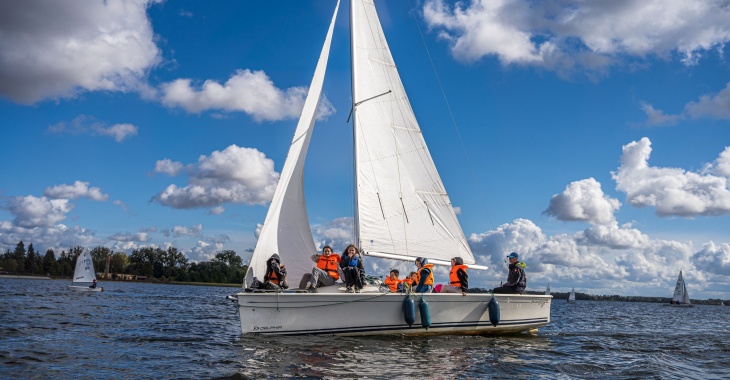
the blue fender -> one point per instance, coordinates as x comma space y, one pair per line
425, 313
493, 307
409, 311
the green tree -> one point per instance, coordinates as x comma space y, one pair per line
19, 256
99, 256
229, 257
118, 262
50, 265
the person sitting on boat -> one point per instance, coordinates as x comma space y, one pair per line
424, 277
516, 277
93, 284
353, 269
325, 273
458, 279
393, 282
275, 277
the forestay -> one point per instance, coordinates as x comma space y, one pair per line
402, 209
286, 229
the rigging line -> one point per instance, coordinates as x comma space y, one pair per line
363, 101
451, 114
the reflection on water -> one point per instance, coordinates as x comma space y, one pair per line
170, 331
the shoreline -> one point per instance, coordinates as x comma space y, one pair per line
124, 281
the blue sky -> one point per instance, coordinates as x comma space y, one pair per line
593, 138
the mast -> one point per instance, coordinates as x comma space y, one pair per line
356, 210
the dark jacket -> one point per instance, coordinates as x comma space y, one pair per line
354, 270
516, 278
464, 279
273, 265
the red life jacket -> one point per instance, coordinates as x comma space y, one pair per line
329, 265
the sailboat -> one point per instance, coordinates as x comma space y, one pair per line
681, 296
571, 297
401, 211
84, 274
547, 290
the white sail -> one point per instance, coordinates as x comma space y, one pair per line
84, 271
286, 229
680, 291
571, 298
547, 290
401, 206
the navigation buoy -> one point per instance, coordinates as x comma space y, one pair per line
493, 307
425, 313
409, 311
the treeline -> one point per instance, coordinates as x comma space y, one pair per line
161, 264
615, 297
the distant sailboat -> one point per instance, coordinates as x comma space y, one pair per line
547, 290
681, 296
84, 273
571, 297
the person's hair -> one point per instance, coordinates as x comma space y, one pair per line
397, 273
348, 248
327, 246
411, 274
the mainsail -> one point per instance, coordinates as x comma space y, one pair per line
571, 297
402, 210
84, 271
680, 291
547, 290
286, 229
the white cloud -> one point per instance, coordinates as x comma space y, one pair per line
713, 258
195, 230
561, 36
168, 167
337, 233
138, 237
658, 117
57, 237
77, 190
89, 125
247, 91
235, 175
721, 166
714, 106
584, 201
671, 191
30, 211
257, 230
58, 49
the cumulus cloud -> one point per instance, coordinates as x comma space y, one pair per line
584, 200
713, 258
89, 125
77, 190
658, 117
592, 35
235, 175
138, 237
671, 191
57, 237
30, 211
721, 166
58, 49
252, 92
179, 231
337, 233
168, 167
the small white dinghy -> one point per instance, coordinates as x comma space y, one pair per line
84, 274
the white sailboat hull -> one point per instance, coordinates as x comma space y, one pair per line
375, 313
680, 305
85, 289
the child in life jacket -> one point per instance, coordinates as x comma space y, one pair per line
393, 282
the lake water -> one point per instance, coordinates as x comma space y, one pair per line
134, 330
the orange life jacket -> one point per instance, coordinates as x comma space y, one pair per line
329, 265
273, 279
453, 278
393, 284
429, 279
